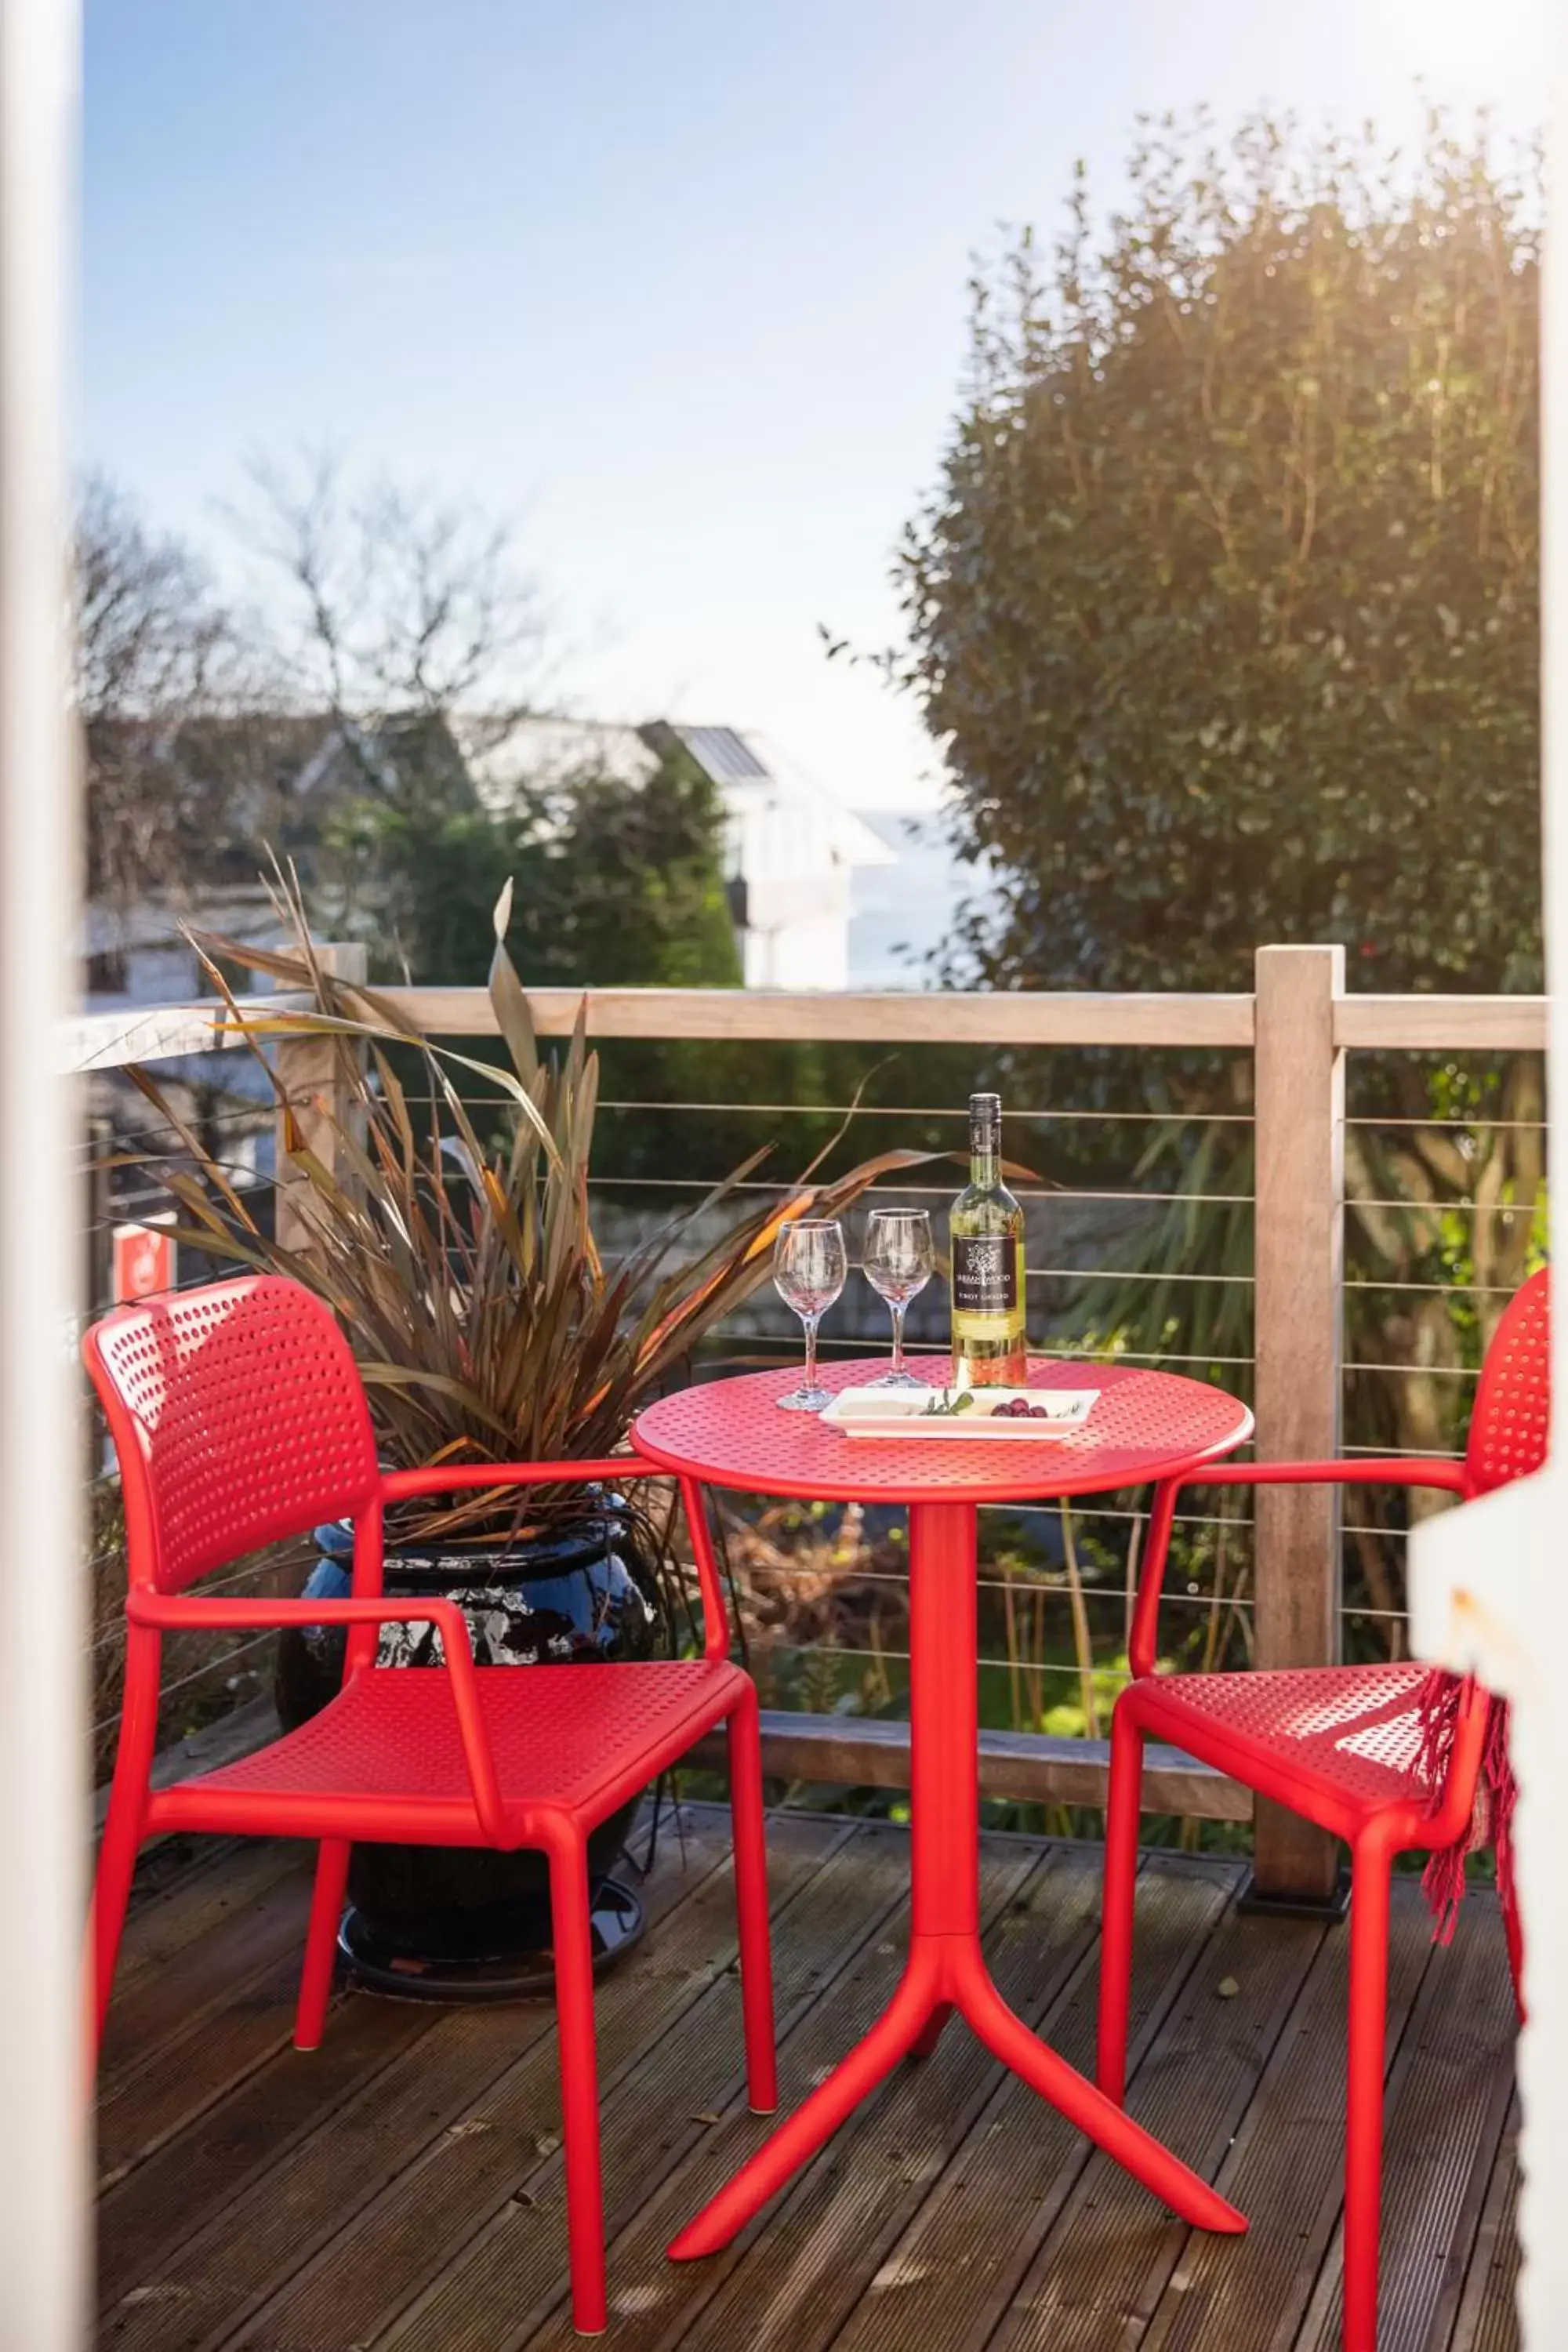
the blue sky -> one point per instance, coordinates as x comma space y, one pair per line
678, 286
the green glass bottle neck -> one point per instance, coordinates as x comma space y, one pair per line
985, 1143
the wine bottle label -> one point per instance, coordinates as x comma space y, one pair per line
985, 1275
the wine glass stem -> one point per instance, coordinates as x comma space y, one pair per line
899, 1336
810, 1322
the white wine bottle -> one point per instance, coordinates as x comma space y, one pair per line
987, 1224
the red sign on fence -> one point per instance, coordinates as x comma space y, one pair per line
143, 1261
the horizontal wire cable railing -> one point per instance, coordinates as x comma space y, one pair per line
823, 1597
1418, 1383
121, 1161
861, 1655
1387, 1618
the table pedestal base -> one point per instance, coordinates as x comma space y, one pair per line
945, 1973
946, 1969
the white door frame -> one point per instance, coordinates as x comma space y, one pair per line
44, 1812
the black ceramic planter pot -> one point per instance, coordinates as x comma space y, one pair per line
458, 1921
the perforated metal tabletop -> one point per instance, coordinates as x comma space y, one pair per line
1145, 1425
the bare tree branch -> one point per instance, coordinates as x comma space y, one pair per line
177, 701
406, 608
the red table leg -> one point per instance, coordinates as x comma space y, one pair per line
946, 1969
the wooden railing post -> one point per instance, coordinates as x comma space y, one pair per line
312, 1073
1299, 1266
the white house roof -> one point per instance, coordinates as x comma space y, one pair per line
546, 751
750, 772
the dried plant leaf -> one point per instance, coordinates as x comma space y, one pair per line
466, 1272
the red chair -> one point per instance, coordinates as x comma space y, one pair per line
240, 1419
1341, 1745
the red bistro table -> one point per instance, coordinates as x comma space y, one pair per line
1146, 1427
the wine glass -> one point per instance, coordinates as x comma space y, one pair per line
898, 1263
809, 1267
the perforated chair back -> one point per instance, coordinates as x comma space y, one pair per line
1511, 1419
240, 1419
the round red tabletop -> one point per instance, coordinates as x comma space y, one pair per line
1145, 1425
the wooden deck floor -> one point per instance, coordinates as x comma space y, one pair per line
402, 2187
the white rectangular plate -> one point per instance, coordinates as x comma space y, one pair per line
902, 1413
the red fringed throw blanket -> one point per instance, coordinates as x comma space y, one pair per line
1491, 1821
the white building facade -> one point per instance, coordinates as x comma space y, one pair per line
791, 851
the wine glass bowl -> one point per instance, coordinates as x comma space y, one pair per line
900, 1260
809, 1269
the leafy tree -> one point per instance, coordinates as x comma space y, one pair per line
613, 884
630, 890
1225, 609
1226, 604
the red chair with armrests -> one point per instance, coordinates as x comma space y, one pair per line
240, 1419
1345, 1745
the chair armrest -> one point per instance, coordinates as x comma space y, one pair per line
452, 1478
1395, 1470
1374, 1470
400, 1486
186, 1612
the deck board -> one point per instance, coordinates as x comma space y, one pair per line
1448, 2094
246, 2248
1487, 2321
1106, 2260
956, 2266
682, 2024
182, 1952
401, 2189
802, 2268
653, 2301
1284, 2170
504, 2285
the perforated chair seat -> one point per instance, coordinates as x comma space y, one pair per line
1348, 1737
573, 1738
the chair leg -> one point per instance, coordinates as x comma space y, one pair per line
751, 1904
1363, 2102
322, 1942
110, 1894
1121, 1818
1514, 1928
572, 1938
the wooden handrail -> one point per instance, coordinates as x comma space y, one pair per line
154, 1033
890, 1016
1442, 1024
1415, 1024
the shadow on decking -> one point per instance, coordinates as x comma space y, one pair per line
402, 2187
